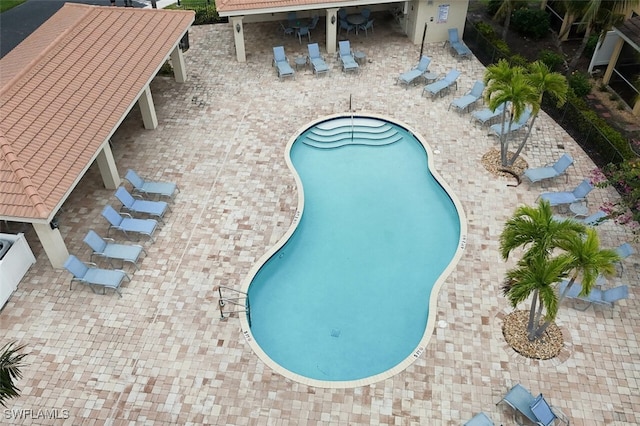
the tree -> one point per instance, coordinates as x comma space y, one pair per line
625, 178
588, 260
504, 12
597, 16
510, 85
545, 81
535, 230
11, 361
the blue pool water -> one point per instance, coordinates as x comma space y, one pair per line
347, 296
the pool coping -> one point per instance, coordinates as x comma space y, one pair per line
431, 323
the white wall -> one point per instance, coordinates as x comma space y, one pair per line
426, 11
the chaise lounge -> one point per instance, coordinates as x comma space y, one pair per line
412, 75
145, 187
536, 410
550, 171
93, 276
112, 251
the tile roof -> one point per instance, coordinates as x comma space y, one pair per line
63, 91
225, 6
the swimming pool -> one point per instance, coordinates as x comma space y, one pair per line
345, 298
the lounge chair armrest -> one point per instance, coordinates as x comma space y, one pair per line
126, 214
560, 415
91, 264
109, 239
125, 274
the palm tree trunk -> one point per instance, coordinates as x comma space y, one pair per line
534, 330
524, 142
544, 326
507, 22
576, 57
532, 312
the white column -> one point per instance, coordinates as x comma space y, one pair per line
332, 30
52, 243
148, 110
107, 166
238, 37
179, 67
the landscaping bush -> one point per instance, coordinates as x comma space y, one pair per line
205, 15
519, 60
533, 23
591, 46
579, 82
551, 59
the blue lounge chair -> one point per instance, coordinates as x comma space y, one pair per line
145, 187
605, 298
550, 171
319, 65
592, 220
92, 276
440, 87
412, 75
565, 197
485, 115
134, 206
537, 410
457, 46
497, 129
110, 250
624, 250
281, 63
480, 419
125, 223
346, 56
464, 102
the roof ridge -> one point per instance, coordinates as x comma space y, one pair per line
52, 45
14, 163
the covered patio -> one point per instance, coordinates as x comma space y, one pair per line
63, 93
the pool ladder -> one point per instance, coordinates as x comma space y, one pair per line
240, 299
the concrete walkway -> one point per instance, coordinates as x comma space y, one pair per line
160, 354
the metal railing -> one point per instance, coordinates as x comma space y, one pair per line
240, 299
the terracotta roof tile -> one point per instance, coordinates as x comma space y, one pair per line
225, 6
64, 88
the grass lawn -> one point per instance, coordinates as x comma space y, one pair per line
9, 4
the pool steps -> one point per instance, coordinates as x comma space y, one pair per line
351, 131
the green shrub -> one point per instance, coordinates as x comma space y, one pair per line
579, 82
551, 59
603, 87
613, 96
518, 60
205, 15
592, 42
533, 23
486, 30
622, 106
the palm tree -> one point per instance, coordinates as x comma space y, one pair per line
10, 364
537, 274
545, 81
597, 15
507, 84
586, 259
535, 230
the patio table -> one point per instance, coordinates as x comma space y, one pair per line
356, 19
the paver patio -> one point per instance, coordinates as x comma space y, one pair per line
161, 355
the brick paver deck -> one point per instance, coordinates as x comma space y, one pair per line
160, 354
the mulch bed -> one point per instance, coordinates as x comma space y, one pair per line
514, 329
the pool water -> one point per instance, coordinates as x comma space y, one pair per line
347, 295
